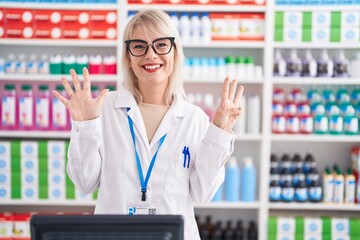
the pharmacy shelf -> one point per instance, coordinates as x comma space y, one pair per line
35, 134
248, 137
314, 206
229, 205
319, 45
314, 138
199, 7
315, 7
226, 44
221, 81
316, 81
59, 42
55, 77
60, 6
47, 203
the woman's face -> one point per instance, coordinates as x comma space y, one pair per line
151, 69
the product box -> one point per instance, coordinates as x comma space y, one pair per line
293, 18
56, 149
252, 27
6, 225
313, 226
29, 192
350, 34
19, 23
29, 148
56, 163
292, 34
340, 226
5, 163
350, 18
321, 19
47, 24
286, 225
21, 226
2, 22
83, 197
103, 25
320, 35
313, 237
225, 26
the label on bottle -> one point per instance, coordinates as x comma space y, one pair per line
328, 189
306, 124
301, 194
278, 124
274, 193
351, 125
59, 114
287, 194
336, 124
25, 111
292, 124
315, 193
8, 111
42, 112
321, 124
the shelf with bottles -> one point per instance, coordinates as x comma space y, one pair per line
229, 205
61, 6
314, 138
319, 7
315, 206
13, 202
318, 45
55, 77
62, 42
315, 81
200, 7
227, 44
221, 81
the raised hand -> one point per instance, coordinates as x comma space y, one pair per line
228, 110
80, 104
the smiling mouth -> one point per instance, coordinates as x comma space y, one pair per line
152, 67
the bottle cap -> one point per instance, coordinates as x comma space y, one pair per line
26, 87
43, 87
9, 87
232, 162
247, 161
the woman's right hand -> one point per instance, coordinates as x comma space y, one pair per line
81, 105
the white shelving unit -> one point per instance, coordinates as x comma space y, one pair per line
259, 146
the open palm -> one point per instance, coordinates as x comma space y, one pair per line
228, 111
80, 104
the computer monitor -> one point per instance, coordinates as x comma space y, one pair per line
107, 227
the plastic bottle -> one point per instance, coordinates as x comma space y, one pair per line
301, 190
175, 20
239, 231
274, 191
218, 232
355, 66
82, 61
205, 28
315, 192
239, 127
325, 65
21, 65
109, 64
309, 163
339, 187
95, 64
10, 65
33, 65
321, 122
248, 180
328, 186
249, 68
296, 162
229, 231
293, 65
232, 180
341, 65
2, 66
26, 108
351, 122
252, 231
312, 176
205, 69
195, 28
69, 62
219, 194
230, 66
60, 115
221, 68
253, 114
309, 65
185, 28
57, 65
209, 105
42, 108
44, 66
240, 68
350, 186
9, 108
279, 68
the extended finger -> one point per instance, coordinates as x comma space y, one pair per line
239, 94
225, 91
87, 85
232, 90
101, 97
67, 86
75, 80
60, 97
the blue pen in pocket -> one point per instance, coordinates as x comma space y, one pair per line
186, 153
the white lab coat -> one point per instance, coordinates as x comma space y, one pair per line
102, 156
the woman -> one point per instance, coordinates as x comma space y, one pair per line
145, 148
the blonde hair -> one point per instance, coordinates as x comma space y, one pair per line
156, 22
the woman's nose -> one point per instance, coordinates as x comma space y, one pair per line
151, 52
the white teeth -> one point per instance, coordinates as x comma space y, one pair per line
152, 67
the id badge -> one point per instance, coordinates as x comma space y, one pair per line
137, 207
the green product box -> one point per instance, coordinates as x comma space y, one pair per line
15, 179
326, 237
307, 20
279, 34
299, 226
355, 227
306, 34
272, 226
326, 228
335, 20
43, 151
70, 193
43, 193
335, 34
15, 148
95, 194
15, 192
15, 164
299, 237
279, 19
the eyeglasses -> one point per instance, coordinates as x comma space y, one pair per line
161, 46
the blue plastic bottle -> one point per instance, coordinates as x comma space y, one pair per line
232, 180
219, 194
248, 181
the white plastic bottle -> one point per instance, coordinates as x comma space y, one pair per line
195, 28
206, 28
253, 114
279, 64
239, 127
185, 28
355, 66
175, 20
325, 67
309, 65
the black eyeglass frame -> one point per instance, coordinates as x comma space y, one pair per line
172, 41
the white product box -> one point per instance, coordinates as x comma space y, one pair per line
29, 163
21, 229
312, 237
292, 34
29, 148
30, 178
56, 193
29, 192
5, 179
293, 19
5, 149
5, 192
350, 34
56, 148
286, 225
5, 163
350, 18
6, 228
56, 178
321, 19
320, 35
56, 163
82, 197
340, 237
313, 226
286, 236
340, 226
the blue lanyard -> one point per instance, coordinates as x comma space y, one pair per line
142, 182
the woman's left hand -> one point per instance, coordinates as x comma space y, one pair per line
228, 111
